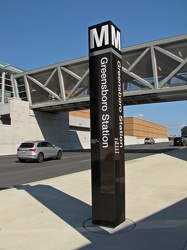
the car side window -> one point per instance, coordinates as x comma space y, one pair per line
44, 144
49, 144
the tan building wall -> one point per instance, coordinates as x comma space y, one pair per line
133, 126
83, 113
142, 128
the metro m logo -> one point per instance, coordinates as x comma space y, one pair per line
103, 36
99, 41
116, 41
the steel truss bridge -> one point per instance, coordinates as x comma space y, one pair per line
152, 72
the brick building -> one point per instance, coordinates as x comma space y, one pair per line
133, 126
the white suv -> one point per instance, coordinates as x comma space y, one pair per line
149, 141
38, 151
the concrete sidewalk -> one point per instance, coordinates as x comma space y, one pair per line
52, 214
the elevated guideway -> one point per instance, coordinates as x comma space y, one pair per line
152, 72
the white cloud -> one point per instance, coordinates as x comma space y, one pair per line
139, 115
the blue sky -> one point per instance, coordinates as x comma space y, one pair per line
42, 32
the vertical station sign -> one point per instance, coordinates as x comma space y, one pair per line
107, 128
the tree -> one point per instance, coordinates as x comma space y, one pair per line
184, 131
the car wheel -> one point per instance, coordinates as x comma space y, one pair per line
40, 158
21, 160
59, 155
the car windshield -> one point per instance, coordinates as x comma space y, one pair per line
27, 145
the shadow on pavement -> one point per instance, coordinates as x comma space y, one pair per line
166, 229
180, 153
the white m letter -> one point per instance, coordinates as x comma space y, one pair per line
115, 38
99, 40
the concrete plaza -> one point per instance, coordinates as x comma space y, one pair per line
54, 214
